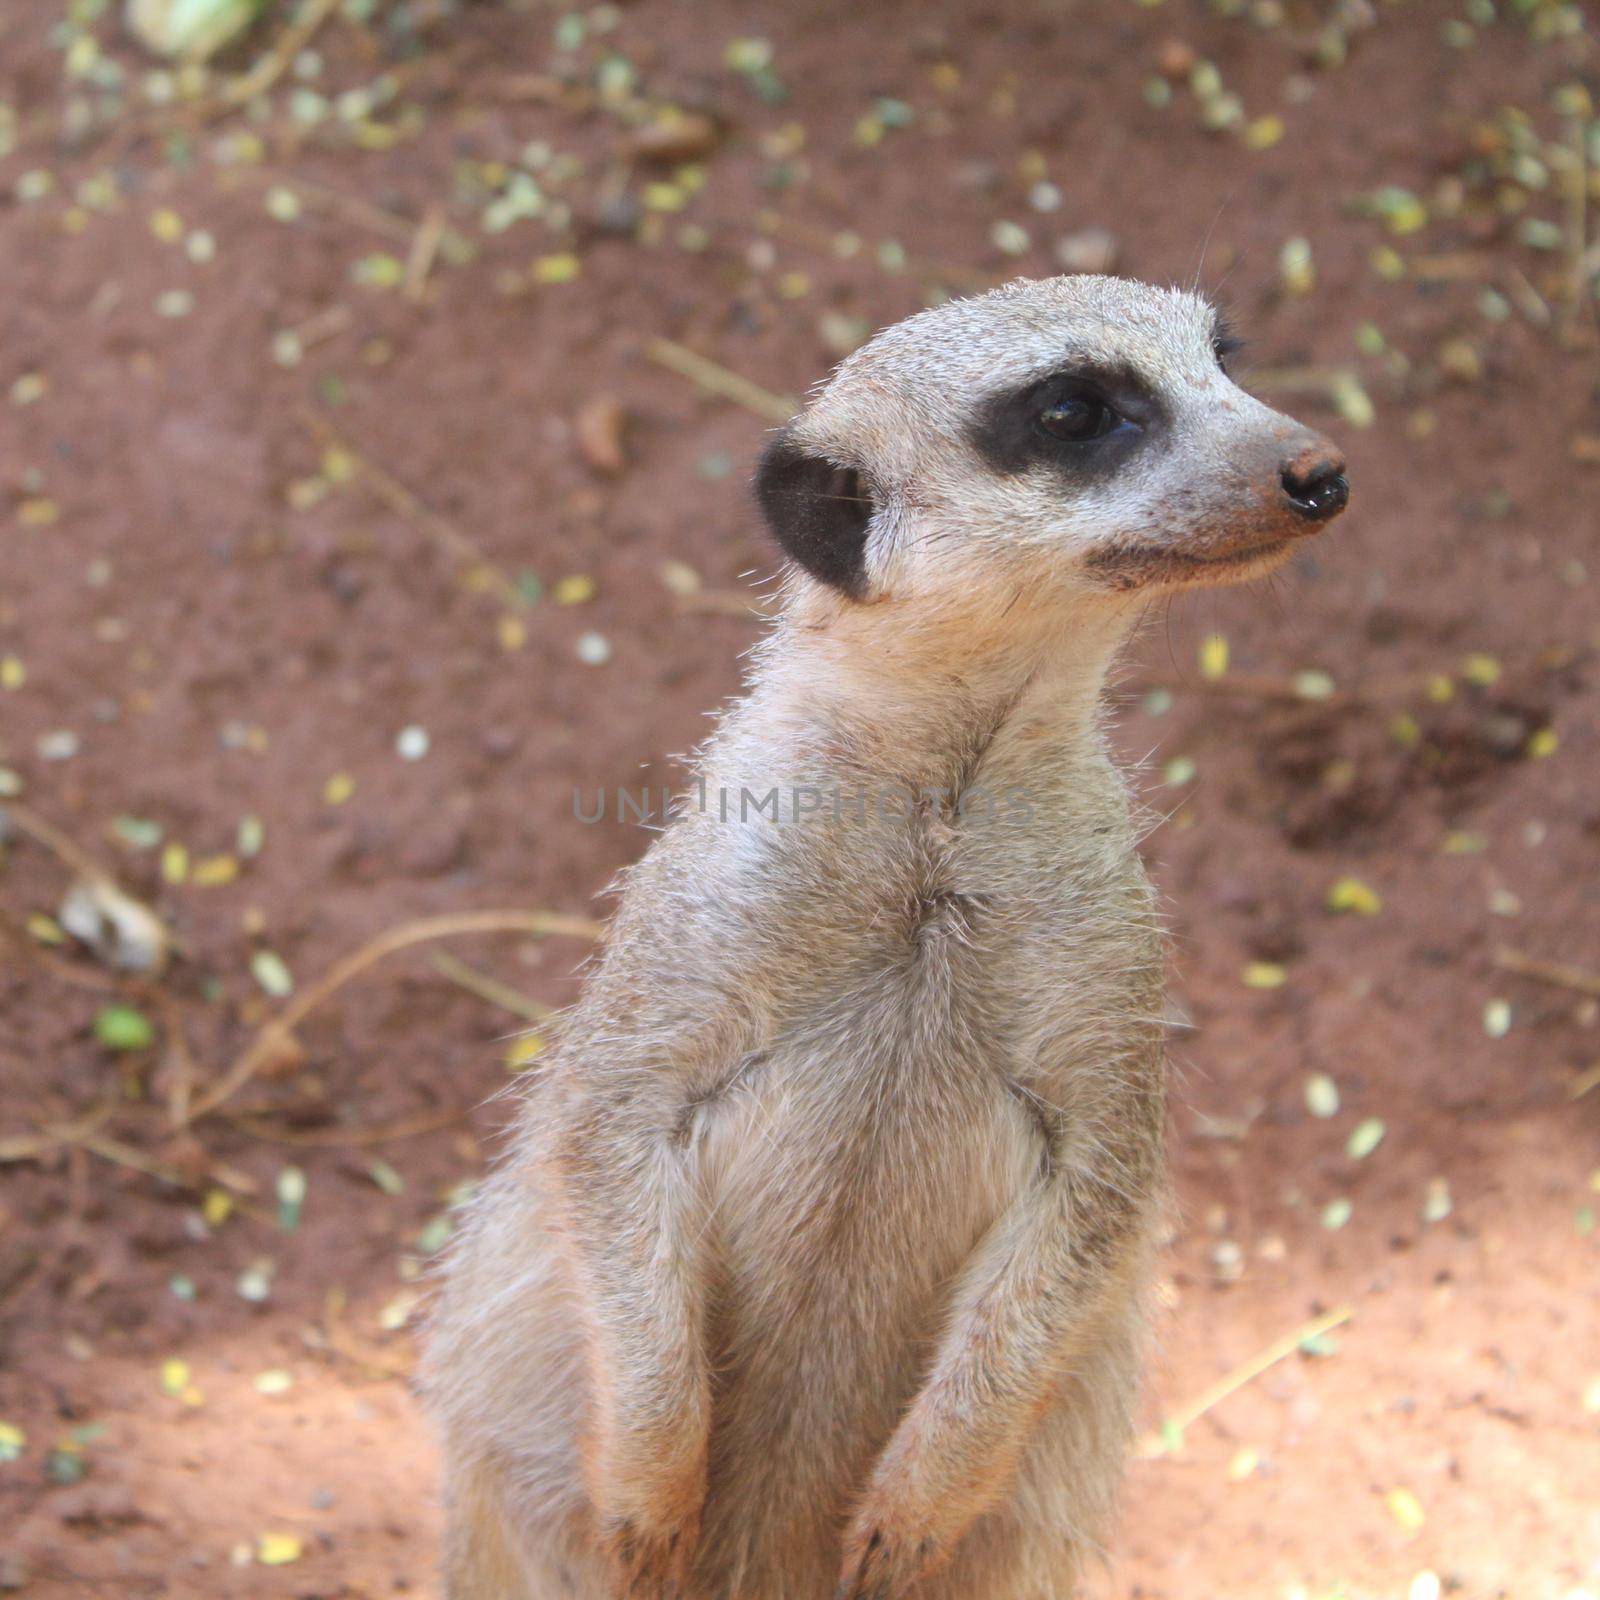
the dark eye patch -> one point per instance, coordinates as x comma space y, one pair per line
1007, 432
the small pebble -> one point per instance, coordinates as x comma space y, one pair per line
1322, 1095
255, 1284
1010, 237
411, 744
1090, 250
1365, 1138
62, 745
594, 649
1436, 1201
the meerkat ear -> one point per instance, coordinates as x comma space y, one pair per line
818, 511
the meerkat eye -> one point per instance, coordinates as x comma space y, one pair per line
1078, 418
1224, 343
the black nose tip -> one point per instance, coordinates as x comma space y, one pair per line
1316, 486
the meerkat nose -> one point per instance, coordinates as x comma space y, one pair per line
1315, 483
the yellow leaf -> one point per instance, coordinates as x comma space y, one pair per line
215, 871
524, 1051
663, 197
1295, 269
38, 513
174, 1375
278, 1549
175, 863
561, 268
1264, 975
12, 672
338, 465
1213, 656
1351, 894
338, 788
1263, 133
217, 1207
1405, 730
575, 590
1406, 1509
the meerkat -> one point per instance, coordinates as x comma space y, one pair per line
818, 1264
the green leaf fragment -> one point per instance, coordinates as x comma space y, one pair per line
291, 1197
123, 1028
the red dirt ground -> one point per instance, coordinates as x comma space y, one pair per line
222, 642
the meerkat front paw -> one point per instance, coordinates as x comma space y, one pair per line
651, 1563
879, 1566
893, 1541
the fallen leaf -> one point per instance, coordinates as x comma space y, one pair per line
1406, 1509
124, 1028
279, 1549
599, 429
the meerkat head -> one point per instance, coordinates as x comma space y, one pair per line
1065, 436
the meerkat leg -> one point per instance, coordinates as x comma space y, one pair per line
488, 1555
1039, 1290
632, 1222
482, 1557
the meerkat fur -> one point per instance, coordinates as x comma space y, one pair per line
817, 1266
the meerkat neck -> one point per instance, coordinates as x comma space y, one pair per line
918, 696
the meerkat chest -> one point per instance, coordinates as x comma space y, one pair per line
962, 988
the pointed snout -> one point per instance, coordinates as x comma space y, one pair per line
1313, 480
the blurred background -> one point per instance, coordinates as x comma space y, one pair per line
379, 386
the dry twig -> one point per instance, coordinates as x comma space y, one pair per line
719, 380
67, 851
1553, 972
400, 499
1157, 1444
323, 1138
424, 250
490, 988
275, 62
275, 1036
1577, 224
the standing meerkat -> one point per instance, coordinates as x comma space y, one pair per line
817, 1266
